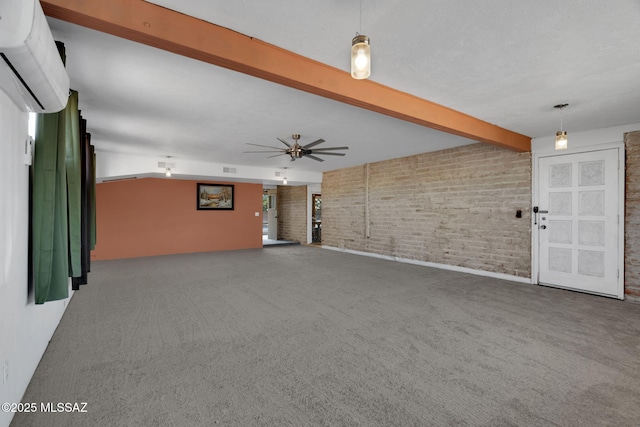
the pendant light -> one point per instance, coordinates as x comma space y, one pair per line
168, 166
561, 136
360, 54
360, 57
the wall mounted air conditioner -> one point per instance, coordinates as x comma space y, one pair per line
31, 71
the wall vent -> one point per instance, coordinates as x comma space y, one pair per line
227, 169
165, 165
278, 174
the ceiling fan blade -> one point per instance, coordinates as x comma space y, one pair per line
331, 148
264, 151
284, 142
327, 154
266, 146
314, 143
314, 158
276, 155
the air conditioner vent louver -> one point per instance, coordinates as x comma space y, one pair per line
227, 169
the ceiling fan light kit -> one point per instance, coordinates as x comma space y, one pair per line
297, 151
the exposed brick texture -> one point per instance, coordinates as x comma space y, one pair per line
632, 217
343, 195
291, 203
455, 207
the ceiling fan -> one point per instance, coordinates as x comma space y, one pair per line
297, 151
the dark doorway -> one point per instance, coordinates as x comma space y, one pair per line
316, 219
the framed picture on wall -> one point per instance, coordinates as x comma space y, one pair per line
215, 197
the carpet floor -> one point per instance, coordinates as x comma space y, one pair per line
303, 336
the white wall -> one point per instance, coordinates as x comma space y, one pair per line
117, 165
581, 140
25, 329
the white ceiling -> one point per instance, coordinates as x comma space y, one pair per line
501, 61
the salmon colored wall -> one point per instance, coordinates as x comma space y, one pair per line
152, 216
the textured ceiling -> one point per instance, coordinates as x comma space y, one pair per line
503, 62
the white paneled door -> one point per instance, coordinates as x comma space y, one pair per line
578, 222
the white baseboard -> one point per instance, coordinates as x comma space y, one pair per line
501, 276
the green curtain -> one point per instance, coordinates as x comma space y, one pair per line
74, 183
55, 199
49, 210
62, 201
92, 194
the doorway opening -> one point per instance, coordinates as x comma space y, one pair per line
265, 209
269, 215
316, 219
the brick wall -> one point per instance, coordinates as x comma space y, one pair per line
455, 207
343, 196
632, 217
291, 203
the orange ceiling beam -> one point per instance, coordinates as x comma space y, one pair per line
162, 28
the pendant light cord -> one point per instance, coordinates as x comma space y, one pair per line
561, 107
360, 16
560, 120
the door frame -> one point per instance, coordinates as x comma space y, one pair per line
535, 188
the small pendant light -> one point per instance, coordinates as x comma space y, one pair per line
360, 54
561, 136
360, 57
168, 167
